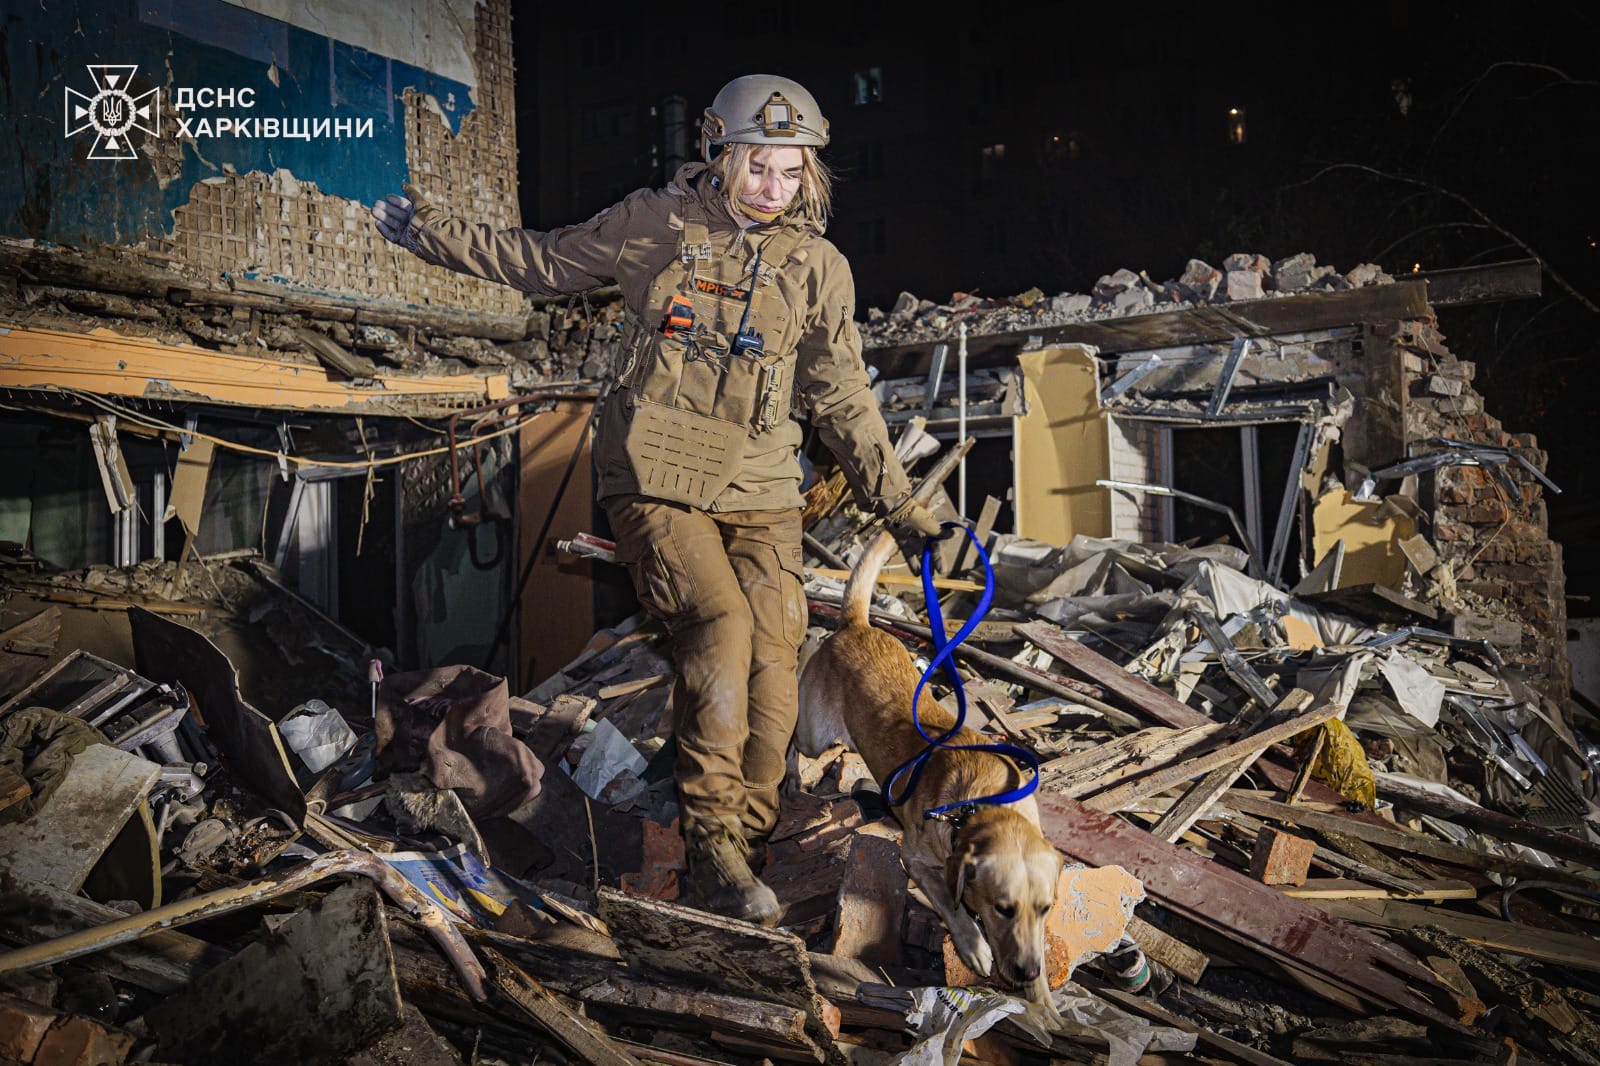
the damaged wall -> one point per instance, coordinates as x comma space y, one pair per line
428, 81
1507, 572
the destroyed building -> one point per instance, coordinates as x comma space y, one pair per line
283, 509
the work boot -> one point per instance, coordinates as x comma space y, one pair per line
755, 849
720, 881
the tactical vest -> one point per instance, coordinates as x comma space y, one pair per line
694, 390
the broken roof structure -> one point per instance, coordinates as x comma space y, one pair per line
326, 734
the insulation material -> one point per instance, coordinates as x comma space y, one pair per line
1371, 533
1342, 763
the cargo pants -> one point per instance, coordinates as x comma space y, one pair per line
729, 588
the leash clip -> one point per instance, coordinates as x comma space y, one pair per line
955, 814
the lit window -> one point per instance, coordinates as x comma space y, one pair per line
993, 156
1235, 125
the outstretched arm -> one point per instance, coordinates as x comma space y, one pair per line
565, 260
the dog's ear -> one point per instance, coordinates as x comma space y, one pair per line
962, 865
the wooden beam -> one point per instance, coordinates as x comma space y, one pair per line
1173, 329
1390, 836
1500, 826
1256, 917
1560, 949
1517, 280
1344, 888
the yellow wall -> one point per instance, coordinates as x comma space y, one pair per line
1062, 446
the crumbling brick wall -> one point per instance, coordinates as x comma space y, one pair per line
1506, 569
283, 227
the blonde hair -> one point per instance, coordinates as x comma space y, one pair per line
812, 202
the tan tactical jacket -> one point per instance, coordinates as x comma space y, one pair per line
807, 309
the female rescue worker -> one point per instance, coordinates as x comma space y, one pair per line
740, 310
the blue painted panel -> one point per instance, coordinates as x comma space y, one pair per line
50, 191
233, 29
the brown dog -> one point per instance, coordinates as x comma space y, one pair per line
993, 865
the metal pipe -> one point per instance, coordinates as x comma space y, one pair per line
1198, 501
961, 420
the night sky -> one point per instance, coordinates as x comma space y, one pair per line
1407, 134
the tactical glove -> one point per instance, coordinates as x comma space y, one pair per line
394, 214
912, 520
911, 525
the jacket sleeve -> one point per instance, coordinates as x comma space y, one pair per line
832, 383
566, 260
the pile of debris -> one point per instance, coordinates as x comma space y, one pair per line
1309, 825
1242, 276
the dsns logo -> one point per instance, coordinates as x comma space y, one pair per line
113, 112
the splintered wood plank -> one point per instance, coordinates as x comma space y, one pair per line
722, 954
1123, 757
320, 987
1345, 888
161, 962
1161, 780
541, 1006
60, 844
1151, 701
1203, 793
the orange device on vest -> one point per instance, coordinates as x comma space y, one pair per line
679, 317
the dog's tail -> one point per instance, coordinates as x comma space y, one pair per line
863, 579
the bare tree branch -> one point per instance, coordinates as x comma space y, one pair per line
1470, 207
1562, 78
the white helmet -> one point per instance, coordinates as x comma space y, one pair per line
762, 109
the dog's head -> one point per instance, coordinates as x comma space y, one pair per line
1005, 874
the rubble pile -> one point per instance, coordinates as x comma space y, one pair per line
241, 315
555, 339
1318, 824
1242, 276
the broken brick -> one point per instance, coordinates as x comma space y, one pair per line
22, 1028
1281, 858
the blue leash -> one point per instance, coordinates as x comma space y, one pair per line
944, 655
